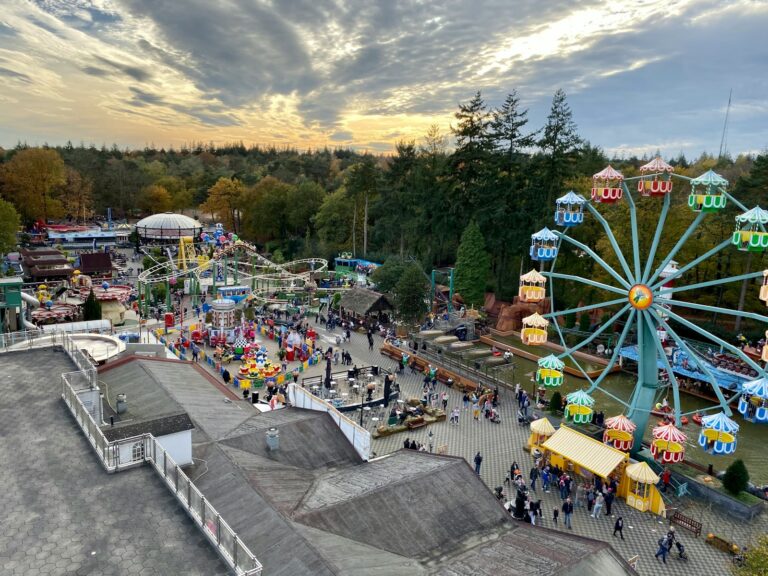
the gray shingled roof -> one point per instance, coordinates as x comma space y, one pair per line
362, 301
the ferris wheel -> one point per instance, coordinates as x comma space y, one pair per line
646, 294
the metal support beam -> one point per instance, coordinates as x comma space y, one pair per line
599, 331
680, 243
680, 342
595, 257
699, 285
612, 239
656, 238
692, 264
668, 368
616, 352
585, 308
718, 310
594, 283
633, 225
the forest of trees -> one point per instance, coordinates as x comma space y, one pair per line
500, 174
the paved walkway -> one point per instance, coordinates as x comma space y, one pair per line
501, 444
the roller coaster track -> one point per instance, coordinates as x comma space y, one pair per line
278, 277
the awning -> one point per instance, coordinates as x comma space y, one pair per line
641, 472
542, 427
587, 453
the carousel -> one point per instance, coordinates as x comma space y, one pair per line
256, 369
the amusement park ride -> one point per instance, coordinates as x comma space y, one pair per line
233, 261
646, 295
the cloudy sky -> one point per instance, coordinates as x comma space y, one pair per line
640, 75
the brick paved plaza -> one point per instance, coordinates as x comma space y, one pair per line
501, 444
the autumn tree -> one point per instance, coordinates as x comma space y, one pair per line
77, 196
224, 200
9, 225
31, 180
755, 559
265, 209
154, 199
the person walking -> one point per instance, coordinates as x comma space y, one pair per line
598, 505
663, 549
444, 400
478, 462
476, 410
465, 399
567, 512
619, 527
534, 475
590, 499
546, 478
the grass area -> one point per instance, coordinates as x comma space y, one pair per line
746, 498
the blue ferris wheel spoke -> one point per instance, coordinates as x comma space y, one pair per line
600, 330
746, 359
656, 238
633, 224
667, 367
594, 283
728, 280
616, 352
691, 264
585, 308
614, 244
736, 202
680, 243
595, 257
719, 310
654, 311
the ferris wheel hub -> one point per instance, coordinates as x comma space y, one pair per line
640, 296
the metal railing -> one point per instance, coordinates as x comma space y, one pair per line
138, 450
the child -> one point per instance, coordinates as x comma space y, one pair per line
555, 514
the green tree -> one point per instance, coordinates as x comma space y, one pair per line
736, 477
91, 307
472, 266
77, 196
584, 322
388, 274
9, 225
362, 184
333, 221
755, 559
411, 295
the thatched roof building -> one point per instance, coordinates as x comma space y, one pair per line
361, 302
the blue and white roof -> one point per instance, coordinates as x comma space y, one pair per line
719, 422
709, 178
756, 388
580, 398
544, 234
571, 198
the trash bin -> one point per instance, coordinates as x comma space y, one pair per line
273, 439
375, 370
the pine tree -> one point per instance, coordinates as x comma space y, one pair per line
736, 477
91, 307
411, 295
559, 142
473, 265
506, 128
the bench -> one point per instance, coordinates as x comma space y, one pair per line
414, 423
686, 522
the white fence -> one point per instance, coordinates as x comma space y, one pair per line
131, 452
357, 435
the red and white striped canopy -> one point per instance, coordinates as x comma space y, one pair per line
608, 173
670, 433
656, 165
622, 423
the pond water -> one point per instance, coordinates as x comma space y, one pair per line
751, 438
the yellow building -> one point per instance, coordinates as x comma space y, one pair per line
583, 456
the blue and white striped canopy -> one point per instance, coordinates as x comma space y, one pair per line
719, 422
757, 387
